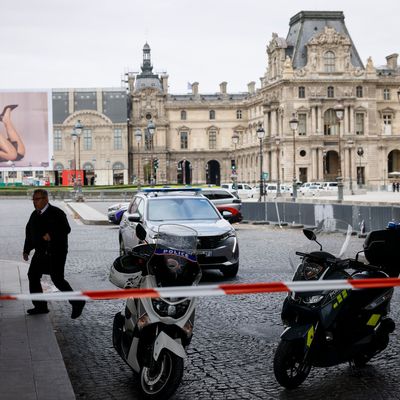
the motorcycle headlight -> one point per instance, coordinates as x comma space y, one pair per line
163, 309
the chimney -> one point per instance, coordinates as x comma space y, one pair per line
164, 81
391, 61
195, 88
251, 87
222, 87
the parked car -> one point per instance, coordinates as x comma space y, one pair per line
218, 246
243, 189
116, 211
271, 188
310, 188
225, 200
330, 186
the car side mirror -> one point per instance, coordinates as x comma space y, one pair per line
135, 217
227, 215
141, 232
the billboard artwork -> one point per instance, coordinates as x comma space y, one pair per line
25, 130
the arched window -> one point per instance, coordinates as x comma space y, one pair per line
212, 139
183, 115
87, 139
88, 167
59, 167
117, 166
329, 61
331, 92
212, 114
331, 125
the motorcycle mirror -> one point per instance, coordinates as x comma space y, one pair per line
140, 232
310, 235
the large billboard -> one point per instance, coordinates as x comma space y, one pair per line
25, 130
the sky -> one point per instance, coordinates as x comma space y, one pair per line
92, 43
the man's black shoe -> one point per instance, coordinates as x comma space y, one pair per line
77, 307
35, 310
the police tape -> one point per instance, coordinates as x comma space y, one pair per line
210, 290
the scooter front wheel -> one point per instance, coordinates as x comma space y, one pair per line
289, 367
162, 379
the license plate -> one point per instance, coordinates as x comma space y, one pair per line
207, 253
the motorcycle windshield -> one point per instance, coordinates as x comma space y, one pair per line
332, 236
174, 261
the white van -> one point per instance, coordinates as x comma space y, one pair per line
330, 186
242, 189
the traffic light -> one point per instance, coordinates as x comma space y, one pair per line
155, 163
233, 165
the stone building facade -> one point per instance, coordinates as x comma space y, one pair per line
101, 150
307, 74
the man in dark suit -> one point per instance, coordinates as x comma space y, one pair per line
47, 232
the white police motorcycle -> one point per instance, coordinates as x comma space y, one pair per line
152, 334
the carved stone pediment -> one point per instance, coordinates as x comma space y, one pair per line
331, 37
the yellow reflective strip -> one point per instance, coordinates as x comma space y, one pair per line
310, 336
373, 320
339, 298
344, 293
335, 305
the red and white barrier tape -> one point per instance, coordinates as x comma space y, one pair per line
211, 290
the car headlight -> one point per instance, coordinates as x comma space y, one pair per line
228, 235
114, 207
312, 299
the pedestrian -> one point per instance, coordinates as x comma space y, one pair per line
394, 186
47, 233
397, 186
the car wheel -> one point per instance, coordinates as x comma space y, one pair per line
231, 271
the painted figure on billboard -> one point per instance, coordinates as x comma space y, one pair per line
25, 130
12, 147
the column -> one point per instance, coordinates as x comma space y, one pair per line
274, 130
352, 127
312, 125
314, 166
320, 164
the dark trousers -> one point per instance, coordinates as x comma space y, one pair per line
56, 269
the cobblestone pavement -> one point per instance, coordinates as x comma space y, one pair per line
234, 338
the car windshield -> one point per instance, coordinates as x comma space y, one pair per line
181, 209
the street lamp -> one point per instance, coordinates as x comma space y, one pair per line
138, 138
260, 135
278, 184
350, 144
108, 171
294, 123
235, 141
360, 153
339, 110
151, 129
75, 134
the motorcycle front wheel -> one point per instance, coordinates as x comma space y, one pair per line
289, 368
162, 379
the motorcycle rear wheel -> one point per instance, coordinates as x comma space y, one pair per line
163, 378
289, 369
